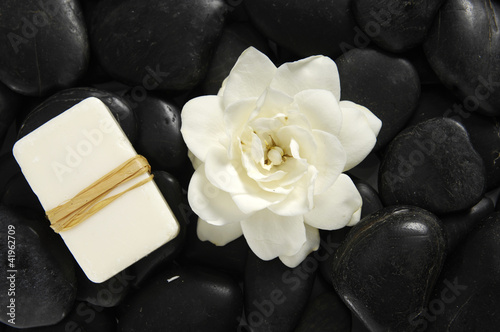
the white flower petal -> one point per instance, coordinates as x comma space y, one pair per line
270, 235
329, 160
249, 78
355, 217
356, 136
236, 116
316, 72
300, 199
321, 108
304, 139
203, 125
374, 122
271, 103
194, 161
334, 208
210, 203
224, 175
311, 244
253, 202
218, 235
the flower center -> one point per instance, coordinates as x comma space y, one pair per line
275, 155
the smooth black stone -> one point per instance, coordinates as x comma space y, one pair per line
307, 28
83, 318
230, 258
462, 48
63, 100
388, 86
436, 101
44, 45
183, 299
45, 281
371, 201
484, 133
330, 242
386, 268
8, 168
417, 58
147, 266
466, 295
18, 194
9, 105
167, 44
432, 165
106, 294
394, 25
159, 135
327, 313
276, 295
458, 225
235, 38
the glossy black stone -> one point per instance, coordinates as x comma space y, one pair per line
235, 38
159, 133
458, 225
330, 242
18, 194
276, 295
9, 106
386, 268
371, 201
307, 28
183, 299
326, 313
387, 85
66, 99
44, 45
171, 52
83, 317
147, 266
435, 101
434, 166
465, 297
44, 283
8, 168
394, 25
462, 48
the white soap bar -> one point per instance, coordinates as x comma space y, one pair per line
70, 152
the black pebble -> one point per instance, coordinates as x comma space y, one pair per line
387, 85
44, 45
434, 166
386, 268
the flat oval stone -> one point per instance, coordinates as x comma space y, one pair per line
146, 267
394, 25
386, 268
44, 281
184, 299
276, 295
167, 44
235, 38
159, 133
434, 166
63, 100
326, 313
44, 45
306, 28
465, 297
387, 85
462, 47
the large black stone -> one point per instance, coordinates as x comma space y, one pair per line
157, 44
43, 283
306, 28
387, 85
65, 99
183, 299
394, 25
9, 106
466, 295
462, 48
44, 45
434, 166
276, 295
159, 133
387, 266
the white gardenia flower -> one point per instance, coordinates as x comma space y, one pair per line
269, 151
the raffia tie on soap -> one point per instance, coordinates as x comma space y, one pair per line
93, 198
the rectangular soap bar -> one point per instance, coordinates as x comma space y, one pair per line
69, 153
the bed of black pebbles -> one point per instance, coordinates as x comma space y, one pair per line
425, 257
